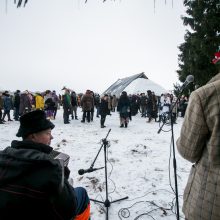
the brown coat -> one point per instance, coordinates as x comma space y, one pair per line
199, 142
87, 102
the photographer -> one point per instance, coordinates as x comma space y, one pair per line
33, 185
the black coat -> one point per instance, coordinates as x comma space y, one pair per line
17, 100
123, 106
103, 108
33, 185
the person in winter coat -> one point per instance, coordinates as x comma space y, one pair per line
165, 104
49, 104
25, 103
33, 184
150, 106
1, 107
114, 102
74, 105
104, 110
87, 103
199, 143
16, 105
56, 101
39, 101
124, 109
66, 102
7, 106
143, 104
97, 102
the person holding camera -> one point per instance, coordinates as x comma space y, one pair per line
33, 185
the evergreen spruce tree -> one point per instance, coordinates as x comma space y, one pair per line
202, 40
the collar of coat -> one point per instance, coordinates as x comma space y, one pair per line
27, 144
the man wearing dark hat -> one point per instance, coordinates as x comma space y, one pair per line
33, 185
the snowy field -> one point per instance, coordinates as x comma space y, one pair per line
139, 164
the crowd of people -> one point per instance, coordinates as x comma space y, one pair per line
147, 104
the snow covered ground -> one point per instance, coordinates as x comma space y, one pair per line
139, 164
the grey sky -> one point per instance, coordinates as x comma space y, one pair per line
55, 43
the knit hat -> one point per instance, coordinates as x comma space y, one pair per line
33, 122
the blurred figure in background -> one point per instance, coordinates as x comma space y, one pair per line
104, 110
66, 101
74, 105
87, 103
124, 108
7, 105
56, 101
25, 103
49, 105
39, 101
1, 107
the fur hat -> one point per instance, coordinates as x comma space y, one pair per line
33, 122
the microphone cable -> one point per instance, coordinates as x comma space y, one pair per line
125, 212
101, 208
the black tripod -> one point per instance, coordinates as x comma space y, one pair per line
106, 203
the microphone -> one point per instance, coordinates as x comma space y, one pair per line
189, 79
82, 171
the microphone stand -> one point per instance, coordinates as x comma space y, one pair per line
106, 203
173, 148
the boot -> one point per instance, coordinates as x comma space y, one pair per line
126, 124
159, 118
122, 125
149, 120
76, 117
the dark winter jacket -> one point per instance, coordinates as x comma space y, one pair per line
33, 185
1, 102
74, 99
123, 106
7, 103
25, 104
103, 109
17, 100
49, 104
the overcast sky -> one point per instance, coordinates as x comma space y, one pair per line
55, 43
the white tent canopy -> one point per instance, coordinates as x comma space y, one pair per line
135, 84
141, 85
